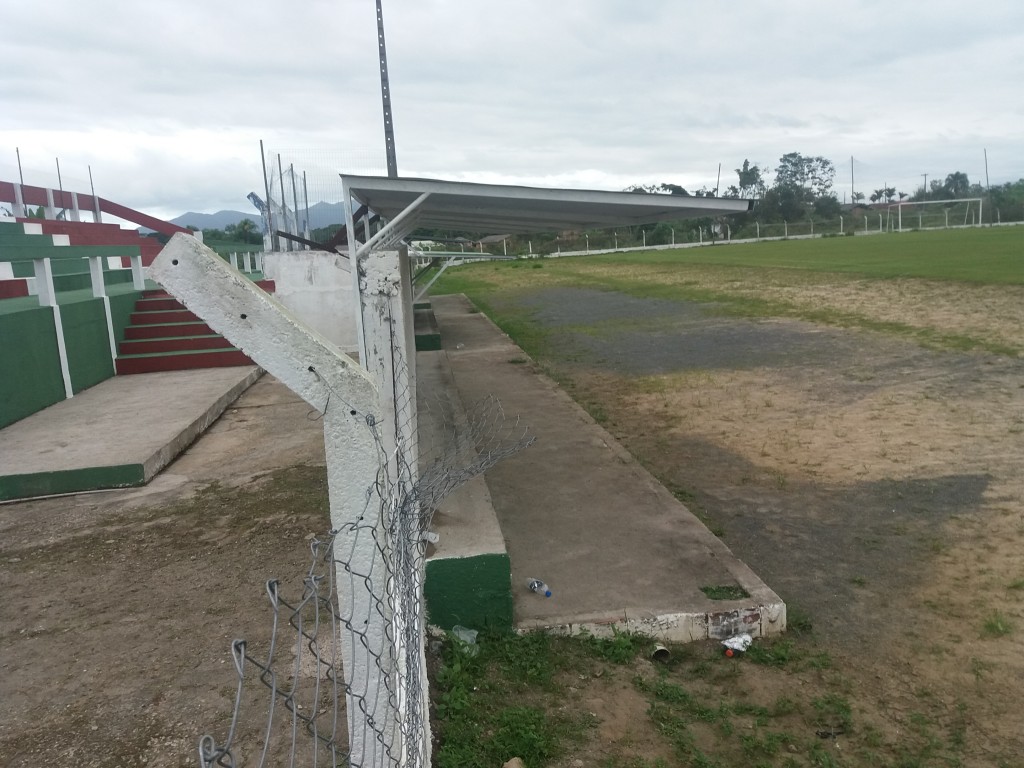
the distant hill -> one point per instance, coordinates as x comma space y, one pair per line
320, 215
218, 220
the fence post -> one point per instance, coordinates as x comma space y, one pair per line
785, 229
840, 225
339, 387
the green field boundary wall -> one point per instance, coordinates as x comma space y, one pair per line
474, 592
29, 356
30, 362
87, 343
71, 481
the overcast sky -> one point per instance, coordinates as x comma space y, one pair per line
167, 102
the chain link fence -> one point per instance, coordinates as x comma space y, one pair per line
295, 703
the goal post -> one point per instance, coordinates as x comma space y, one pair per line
934, 214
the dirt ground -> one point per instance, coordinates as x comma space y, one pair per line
876, 485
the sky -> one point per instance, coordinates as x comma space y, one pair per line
166, 103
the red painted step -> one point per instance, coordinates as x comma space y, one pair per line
180, 361
153, 303
166, 330
173, 344
163, 316
13, 288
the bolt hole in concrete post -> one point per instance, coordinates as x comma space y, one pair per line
174, 262
243, 315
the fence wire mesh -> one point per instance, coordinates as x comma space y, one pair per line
296, 702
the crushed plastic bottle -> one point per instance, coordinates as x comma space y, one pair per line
538, 586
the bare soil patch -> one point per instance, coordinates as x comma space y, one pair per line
874, 484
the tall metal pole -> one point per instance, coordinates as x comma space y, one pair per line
305, 195
97, 216
284, 200
60, 186
21, 176
270, 210
385, 92
853, 192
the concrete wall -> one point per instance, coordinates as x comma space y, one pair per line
29, 360
316, 286
31, 378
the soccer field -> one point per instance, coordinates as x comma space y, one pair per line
989, 255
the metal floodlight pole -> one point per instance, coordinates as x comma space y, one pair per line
295, 199
270, 208
21, 175
284, 203
385, 92
60, 186
305, 195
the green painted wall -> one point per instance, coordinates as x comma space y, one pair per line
87, 343
121, 308
30, 377
475, 592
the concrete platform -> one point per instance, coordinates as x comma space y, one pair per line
577, 511
574, 509
117, 434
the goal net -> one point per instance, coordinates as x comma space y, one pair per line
934, 214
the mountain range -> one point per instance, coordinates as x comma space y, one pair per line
320, 215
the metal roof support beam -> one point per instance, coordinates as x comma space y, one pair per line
392, 228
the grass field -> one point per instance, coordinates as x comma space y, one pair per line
993, 255
874, 484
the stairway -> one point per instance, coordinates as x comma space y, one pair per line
165, 336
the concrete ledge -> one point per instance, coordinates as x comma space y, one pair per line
117, 434
679, 627
468, 574
70, 481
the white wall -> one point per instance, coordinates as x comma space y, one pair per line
316, 287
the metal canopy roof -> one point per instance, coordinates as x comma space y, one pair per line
496, 208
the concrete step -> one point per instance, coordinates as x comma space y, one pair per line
180, 361
155, 303
164, 316
166, 330
173, 344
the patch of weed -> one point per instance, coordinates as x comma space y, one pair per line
997, 624
725, 592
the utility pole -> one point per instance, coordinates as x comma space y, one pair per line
925, 184
385, 92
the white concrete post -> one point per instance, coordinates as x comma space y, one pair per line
335, 384
247, 262
76, 214
19, 202
138, 276
99, 291
50, 212
390, 343
48, 298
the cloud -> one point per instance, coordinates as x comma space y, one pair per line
168, 103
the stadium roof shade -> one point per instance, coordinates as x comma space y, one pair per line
497, 208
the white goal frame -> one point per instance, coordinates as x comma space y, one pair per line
969, 220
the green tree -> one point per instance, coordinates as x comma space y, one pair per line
957, 184
813, 174
751, 181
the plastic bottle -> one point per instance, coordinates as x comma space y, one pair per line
538, 586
